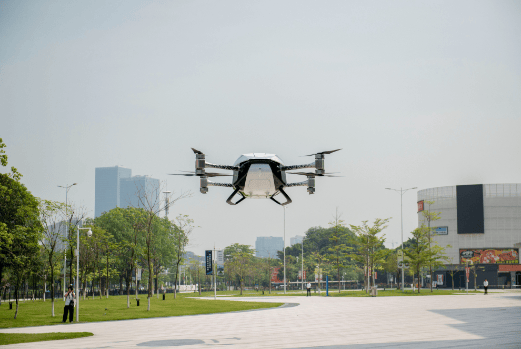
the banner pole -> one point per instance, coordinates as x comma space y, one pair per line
214, 275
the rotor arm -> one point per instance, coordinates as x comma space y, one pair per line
297, 167
213, 184
299, 184
222, 167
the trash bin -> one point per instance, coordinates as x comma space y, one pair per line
137, 301
374, 291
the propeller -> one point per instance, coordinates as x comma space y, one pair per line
193, 174
197, 151
324, 152
313, 174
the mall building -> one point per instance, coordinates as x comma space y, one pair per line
482, 225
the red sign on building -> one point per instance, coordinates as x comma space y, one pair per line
420, 206
274, 277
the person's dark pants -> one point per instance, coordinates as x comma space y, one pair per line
68, 309
485, 289
309, 292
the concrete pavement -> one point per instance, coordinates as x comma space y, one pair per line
459, 321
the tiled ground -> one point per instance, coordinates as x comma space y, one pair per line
473, 321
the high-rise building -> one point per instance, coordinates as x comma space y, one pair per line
267, 246
134, 188
115, 187
296, 240
107, 188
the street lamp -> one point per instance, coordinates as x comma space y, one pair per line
302, 270
284, 249
89, 234
401, 191
66, 187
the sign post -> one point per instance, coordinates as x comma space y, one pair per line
467, 272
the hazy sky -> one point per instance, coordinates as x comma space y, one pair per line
417, 93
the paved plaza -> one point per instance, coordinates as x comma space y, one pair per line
458, 321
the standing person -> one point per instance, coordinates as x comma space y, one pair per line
308, 287
485, 285
69, 305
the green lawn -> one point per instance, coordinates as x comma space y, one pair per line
14, 338
38, 313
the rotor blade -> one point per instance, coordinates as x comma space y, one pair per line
312, 174
207, 174
197, 151
324, 152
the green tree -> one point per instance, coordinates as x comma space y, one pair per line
371, 252
238, 262
338, 249
179, 235
51, 213
430, 216
20, 230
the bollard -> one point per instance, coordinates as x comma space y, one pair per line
163, 296
10, 306
137, 300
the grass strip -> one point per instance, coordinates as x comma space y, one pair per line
15, 338
38, 313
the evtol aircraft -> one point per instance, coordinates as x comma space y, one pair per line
258, 175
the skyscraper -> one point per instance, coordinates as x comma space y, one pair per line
115, 187
267, 246
107, 188
139, 186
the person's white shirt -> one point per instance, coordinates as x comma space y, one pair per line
308, 285
485, 283
69, 297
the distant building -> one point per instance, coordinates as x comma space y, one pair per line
134, 187
268, 246
59, 232
115, 187
107, 188
296, 240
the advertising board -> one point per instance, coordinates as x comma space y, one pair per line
490, 256
420, 206
208, 262
441, 231
274, 275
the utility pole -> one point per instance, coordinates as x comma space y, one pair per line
166, 202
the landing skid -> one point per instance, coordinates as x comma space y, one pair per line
288, 199
229, 200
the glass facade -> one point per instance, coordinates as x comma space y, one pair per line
267, 246
115, 187
107, 188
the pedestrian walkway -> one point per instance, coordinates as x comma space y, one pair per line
457, 321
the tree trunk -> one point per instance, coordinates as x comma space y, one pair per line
52, 290
107, 283
129, 280
16, 298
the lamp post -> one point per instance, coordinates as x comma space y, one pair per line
401, 191
89, 233
284, 249
66, 187
302, 270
